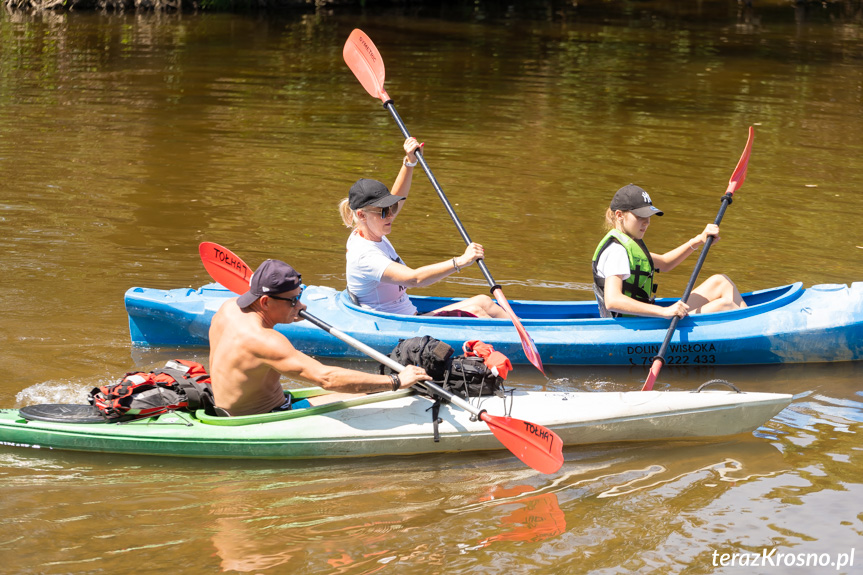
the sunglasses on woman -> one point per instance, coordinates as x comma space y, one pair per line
387, 211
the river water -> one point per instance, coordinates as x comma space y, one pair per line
125, 140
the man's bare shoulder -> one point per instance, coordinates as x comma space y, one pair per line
228, 308
247, 327
272, 345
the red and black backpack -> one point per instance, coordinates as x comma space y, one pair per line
181, 384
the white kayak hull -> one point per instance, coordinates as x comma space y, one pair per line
400, 424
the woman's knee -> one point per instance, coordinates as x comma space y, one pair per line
480, 301
719, 281
718, 286
486, 300
721, 293
479, 305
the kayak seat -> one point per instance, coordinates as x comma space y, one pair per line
354, 299
296, 395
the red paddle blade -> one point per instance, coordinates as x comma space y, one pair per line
526, 341
364, 60
739, 174
651, 377
225, 267
538, 447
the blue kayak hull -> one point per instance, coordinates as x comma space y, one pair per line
787, 324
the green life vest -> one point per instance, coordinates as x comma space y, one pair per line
639, 285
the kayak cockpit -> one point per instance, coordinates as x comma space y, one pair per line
529, 310
297, 394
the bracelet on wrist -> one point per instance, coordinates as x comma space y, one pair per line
408, 163
690, 245
455, 265
397, 383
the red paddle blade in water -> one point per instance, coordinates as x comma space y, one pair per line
734, 184
225, 267
739, 174
364, 60
651, 377
538, 447
527, 344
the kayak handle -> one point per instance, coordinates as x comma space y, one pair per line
717, 382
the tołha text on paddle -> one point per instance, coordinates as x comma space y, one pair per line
535, 445
365, 61
734, 184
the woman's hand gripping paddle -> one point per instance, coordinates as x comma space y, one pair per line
364, 60
733, 185
537, 446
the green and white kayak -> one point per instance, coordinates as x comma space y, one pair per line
393, 423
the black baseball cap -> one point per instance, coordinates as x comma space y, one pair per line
272, 276
633, 199
365, 193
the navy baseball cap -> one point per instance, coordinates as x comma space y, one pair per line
271, 277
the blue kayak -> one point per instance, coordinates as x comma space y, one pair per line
788, 324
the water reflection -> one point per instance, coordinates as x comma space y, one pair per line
533, 517
363, 547
444, 511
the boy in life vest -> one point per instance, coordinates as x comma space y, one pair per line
624, 269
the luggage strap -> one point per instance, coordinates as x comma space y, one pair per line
435, 409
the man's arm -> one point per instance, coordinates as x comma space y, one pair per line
282, 356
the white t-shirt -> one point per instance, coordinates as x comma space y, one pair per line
613, 261
366, 263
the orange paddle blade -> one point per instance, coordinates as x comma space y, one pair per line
364, 60
739, 174
225, 267
538, 447
527, 344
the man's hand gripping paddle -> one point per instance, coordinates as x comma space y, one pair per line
535, 445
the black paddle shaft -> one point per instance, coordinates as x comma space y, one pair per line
726, 200
391, 108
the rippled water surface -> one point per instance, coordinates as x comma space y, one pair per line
125, 140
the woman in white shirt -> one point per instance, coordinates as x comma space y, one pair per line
376, 275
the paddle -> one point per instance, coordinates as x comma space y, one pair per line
364, 60
538, 447
733, 185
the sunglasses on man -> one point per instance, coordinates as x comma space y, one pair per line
292, 300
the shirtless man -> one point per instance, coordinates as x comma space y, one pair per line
248, 357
